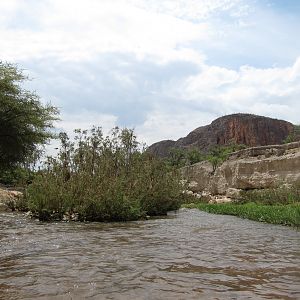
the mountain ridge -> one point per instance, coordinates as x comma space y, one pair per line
240, 128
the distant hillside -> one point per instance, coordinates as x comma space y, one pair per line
247, 129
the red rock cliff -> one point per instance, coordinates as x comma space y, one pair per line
247, 129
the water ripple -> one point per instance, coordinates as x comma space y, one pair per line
189, 255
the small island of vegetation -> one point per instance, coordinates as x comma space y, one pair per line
93, 178
100, 178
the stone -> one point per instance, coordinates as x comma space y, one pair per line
233, 193
8, 199
199, 173
246, 170
193, 186
220, 199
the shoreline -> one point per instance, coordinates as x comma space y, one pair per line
288, 215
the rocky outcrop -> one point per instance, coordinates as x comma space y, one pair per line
247, 129
253, 168
8, 199
162, 149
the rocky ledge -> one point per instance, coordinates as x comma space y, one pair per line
252, 168
8, 199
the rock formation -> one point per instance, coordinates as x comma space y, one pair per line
252, 168
8, 199
250, 130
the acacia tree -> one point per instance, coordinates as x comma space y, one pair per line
24, 121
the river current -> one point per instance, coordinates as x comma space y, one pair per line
187, 255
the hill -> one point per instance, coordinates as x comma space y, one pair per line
250, 130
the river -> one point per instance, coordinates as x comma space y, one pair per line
187, 255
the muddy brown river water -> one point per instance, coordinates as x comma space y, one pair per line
187, 255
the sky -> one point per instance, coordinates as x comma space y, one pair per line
162, 67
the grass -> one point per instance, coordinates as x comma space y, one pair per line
273, 205
275, 214
272, 196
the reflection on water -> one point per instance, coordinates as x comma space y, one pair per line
189, 255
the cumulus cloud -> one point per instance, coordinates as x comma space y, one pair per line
163, 67
194, 9
77, 30
272, 91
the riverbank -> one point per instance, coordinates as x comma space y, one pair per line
275, 214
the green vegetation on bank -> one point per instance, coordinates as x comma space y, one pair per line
103, 178
293, 136
284, 195
274, 205
180, 157
274, 214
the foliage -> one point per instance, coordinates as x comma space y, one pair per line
104, 179
218, 154
18, 176
293, 136
24, 120
194, 156
179, 157
275, 214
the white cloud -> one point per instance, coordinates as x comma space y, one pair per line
193, 9
216, 91
163, 125
7, 8
271, 91
164, 66
78, 30
85, 120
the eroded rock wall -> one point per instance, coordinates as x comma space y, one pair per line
253, 168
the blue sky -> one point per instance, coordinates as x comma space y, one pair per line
163, 67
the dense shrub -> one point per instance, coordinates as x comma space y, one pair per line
103, 179
17, 176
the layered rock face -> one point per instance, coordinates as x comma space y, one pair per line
250, 130
253, 168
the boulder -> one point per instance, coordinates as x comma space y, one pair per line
220, 199
233, 193
8, 199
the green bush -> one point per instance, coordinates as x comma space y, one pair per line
16, 176
180, 157
218, 154
103, 179
293, 136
